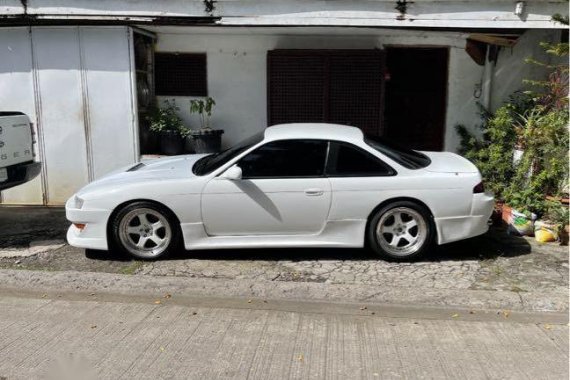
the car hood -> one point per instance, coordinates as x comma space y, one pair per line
446, 162
177, 167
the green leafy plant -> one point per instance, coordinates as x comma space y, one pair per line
493, 152
541, 133
204, 108
543, 168
559, 214
166, 119
536, 123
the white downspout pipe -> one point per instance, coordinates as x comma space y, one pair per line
488, 75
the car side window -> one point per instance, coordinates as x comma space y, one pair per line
286, 158
347, 160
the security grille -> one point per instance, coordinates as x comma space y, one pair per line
181, 74
335, 86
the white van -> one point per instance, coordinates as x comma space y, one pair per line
17, 157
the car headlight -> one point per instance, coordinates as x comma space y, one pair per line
78, 202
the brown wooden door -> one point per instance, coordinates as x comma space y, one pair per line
334, 86
416, 97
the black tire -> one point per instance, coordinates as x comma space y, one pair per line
378, 241
160, 240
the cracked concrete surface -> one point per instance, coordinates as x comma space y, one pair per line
518, 269
491, 262
443, 274
35, 248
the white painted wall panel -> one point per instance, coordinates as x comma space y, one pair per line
511, 68
62, 116
463, 79
17, 94
106, 70
78, 79
237, 69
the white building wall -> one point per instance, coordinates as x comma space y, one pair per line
237, 70
75, 84
511, 69
507, 76
61, 124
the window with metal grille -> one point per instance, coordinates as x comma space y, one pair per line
180, 74
334, 86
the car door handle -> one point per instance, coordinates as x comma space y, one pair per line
314, 192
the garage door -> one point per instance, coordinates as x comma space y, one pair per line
334, 86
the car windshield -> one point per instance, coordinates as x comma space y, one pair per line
208, 164
408, 158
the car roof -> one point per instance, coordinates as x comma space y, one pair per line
316, 131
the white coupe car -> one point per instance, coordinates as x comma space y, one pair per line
292, 185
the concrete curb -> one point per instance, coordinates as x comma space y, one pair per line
301, 291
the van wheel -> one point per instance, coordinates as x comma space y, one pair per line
401, 231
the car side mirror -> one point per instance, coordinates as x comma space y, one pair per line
233, 173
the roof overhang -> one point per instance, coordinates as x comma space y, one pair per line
492, 14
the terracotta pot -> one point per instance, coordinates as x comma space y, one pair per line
564, 201
506, 213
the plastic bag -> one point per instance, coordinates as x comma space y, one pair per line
520, 224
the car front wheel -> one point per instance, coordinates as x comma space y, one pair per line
145, 230
401, 231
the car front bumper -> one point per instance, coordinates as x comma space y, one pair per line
94, 234
463, 227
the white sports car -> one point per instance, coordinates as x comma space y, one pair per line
292, 185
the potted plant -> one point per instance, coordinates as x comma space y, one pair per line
559, 217
166, 122
205, 139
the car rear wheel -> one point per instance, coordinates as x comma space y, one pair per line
401, 231
145, 230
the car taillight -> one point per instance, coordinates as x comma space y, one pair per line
479, 188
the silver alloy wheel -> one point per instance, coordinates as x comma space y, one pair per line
401, 231
145, 232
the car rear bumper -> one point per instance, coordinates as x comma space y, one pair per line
21, 173
463, 227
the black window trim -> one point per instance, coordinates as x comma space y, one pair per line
327, 163
287, 177
392, 172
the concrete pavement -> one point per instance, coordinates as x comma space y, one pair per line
468, 311
104, 336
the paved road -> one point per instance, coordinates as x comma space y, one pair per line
112, 337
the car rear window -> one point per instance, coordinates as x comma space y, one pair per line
408, 158
346, 160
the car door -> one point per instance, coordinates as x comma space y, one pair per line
359, 181
283, 191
